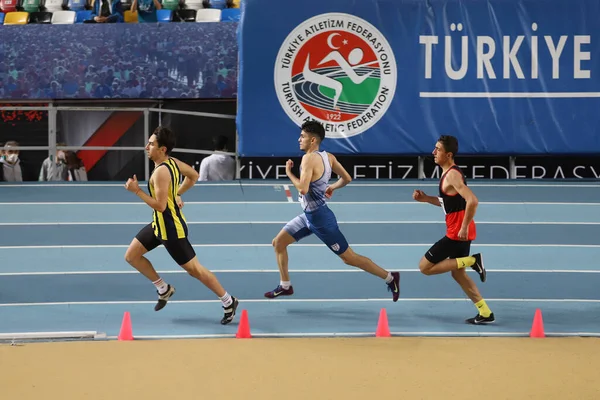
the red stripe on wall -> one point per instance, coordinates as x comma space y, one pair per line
106, 135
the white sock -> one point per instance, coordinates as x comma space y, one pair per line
226, 300
285, 284
389, 278
161, 286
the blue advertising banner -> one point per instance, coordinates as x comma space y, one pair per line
117, 61
391, 76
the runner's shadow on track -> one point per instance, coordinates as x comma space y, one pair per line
456, 318
340, 313
199, 320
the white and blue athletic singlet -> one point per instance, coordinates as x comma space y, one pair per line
315, 197
318, 217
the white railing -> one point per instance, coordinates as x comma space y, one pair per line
52, 146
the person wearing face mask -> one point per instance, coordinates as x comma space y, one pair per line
57, 169
10, 163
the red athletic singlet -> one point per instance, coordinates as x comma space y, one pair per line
454, 207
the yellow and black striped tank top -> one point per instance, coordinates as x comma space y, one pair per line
171, 223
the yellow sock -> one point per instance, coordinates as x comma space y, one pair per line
464, 262
483, 308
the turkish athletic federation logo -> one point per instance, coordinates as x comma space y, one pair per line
338, 69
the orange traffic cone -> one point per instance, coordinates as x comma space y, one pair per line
383, 328
126, 332
244, 327
537, 328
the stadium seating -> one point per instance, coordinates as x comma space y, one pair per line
78, 5
16, 18
164, 15
64, 17
230, 14
193, 4
40, 17
31, 6
83, 15
7, 6
208, 15
186, 15
170, 5
131, 17
60, 12
126, 4
53, 5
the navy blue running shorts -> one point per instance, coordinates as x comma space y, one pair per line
323, 224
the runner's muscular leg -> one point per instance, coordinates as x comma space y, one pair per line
204, 275
280, 244
429, 268
366, 264
135, 257
467, 284
459, 275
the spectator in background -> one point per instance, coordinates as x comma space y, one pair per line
218, 166
102, 90
55, 170
52, 64
221, 84
75, 167
10, 163
106, 11
146, 10
210, 88
230, 89
170, 91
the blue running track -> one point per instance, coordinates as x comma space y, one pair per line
63, 270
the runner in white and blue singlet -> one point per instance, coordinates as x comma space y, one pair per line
315, 197
317, 218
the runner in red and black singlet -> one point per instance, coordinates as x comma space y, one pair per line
454, 206
451, 252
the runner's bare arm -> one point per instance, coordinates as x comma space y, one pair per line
420, 195
339, 169
160, 179
306, 172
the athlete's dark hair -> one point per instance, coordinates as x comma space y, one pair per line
219, 142
314, 128
165, 137
450, 144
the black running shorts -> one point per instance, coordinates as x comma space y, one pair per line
181, 250
447, 248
